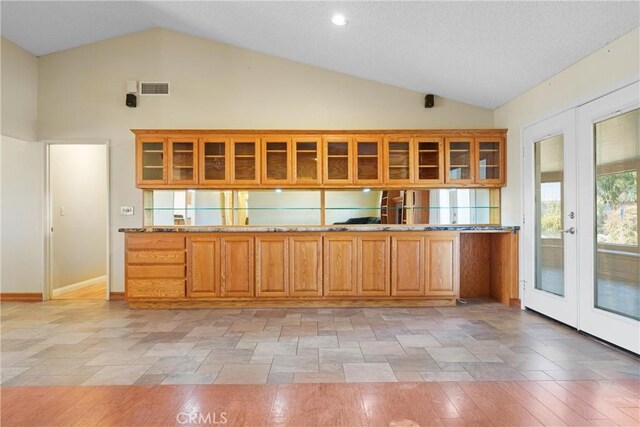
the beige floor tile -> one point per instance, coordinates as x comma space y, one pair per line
368, 372
243, 374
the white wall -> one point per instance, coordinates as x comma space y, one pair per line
81, 95
605, 70
22, 204
19, 85
78, 188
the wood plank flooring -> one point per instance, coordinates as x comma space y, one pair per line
97, 291
516, 403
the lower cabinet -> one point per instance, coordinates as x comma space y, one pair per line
203, 272
443, 253
236, 267
356, 266
305, 265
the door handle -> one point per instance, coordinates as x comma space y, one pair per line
571, 230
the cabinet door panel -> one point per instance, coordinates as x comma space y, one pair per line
203, 267
368, 161
272, 256
490, 160
338, 160
237, 269
307, 161
305, 255
459, 155
214, 161
276, 160
429, 154
340, 266
398, 161
245, 155
151, 161
407, 266
373, 266
442, 261
183, 158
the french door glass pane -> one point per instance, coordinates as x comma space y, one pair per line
617, 255
549, 173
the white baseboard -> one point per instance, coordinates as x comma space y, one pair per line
78, 285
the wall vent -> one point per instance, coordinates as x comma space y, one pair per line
154, 88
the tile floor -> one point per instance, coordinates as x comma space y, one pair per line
94, 343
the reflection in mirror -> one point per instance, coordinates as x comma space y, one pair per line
278, 207
188, 207
451, 206
352, 206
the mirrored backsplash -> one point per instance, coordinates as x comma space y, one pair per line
449, 206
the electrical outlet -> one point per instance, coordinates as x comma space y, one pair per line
126, 210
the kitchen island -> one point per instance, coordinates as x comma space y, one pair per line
319, 266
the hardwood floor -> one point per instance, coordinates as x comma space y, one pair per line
553, 403
98, 291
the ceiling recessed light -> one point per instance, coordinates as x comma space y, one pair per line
339, 20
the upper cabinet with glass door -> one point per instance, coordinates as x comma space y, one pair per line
306, 160
246, 161
368, 160
459, 161
398, 160
489, 158
338, 160
183, 158
151, 165
214, 160
276, 160
429, 160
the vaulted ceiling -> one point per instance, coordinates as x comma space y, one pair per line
481, 53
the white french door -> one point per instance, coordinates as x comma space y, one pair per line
609, 251
580, 234
550, 203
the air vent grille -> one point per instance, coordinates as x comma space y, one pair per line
154, 88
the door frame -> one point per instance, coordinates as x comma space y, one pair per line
615, 328
563, 308
48, 214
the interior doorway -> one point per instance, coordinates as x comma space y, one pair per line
77, 190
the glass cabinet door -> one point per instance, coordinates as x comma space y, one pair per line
182, 161
368, 161
489, 155
306, 160
399, 161
459, 156
275, 160
245, 161
214, 163
337, 160
152, 161
429, 160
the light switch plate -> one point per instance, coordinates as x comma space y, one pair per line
126, 210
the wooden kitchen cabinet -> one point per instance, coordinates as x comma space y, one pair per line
407, 265
272, 266
373, 266
368, 160
490, 160
305, 265
306, 160
214, 161
398, 161
245, 154
203, 267
459, 160
442, 264
237, 266
429, 160
340, 266
276, 160
151, 165
338, 160
183, 161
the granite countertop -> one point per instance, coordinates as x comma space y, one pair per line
317, 228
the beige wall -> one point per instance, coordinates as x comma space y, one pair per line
81, 95
21, 207
78, 189
19, 77
605, 70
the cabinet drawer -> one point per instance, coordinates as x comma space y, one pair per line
154, 241
150, 271
155, 257
155, 288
